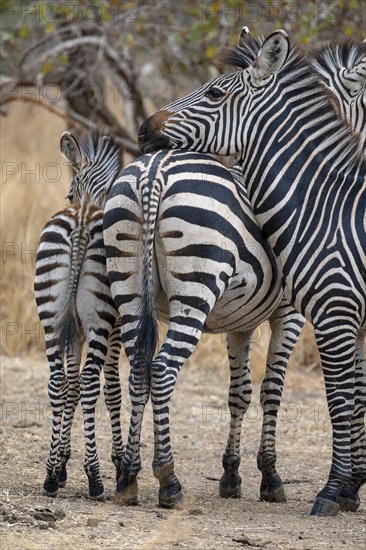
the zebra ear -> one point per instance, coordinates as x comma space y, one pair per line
243, 37
272, 55
71, 150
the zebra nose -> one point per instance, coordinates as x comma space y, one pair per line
150, 135
143, 129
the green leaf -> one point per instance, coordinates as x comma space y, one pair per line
24, 31
47, 67
63, 58
50, 27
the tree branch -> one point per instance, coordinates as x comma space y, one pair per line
27, 96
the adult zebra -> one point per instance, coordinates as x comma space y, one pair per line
74, 304
305, 177
178, 222
343, 69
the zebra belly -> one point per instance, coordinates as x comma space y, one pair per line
239, 309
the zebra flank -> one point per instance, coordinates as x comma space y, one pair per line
305, 172
74, 305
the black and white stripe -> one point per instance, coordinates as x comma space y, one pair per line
182, 245
306, 180
343, 69
74, 305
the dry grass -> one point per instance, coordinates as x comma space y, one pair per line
30, 142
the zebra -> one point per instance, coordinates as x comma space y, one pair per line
74, 305
182, 245
306, 179
341, 66
343, 69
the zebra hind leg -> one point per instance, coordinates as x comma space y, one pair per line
57, 391
238, 346
139, 391
286, 326
73, 396
349, 499
89, 393
177, 348
112, 395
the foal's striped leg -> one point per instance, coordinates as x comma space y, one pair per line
57, 392
73, 360
89, 393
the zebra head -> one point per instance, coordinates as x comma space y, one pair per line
207, 119
96, 162
343, 69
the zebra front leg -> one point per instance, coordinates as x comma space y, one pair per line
89, 393
286, 325
338, 363
349, 499
57, 392
73, 396
112, 395
238, 347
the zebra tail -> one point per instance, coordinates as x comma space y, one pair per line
69, 330
147, 327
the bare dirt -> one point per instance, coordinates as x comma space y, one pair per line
200, 420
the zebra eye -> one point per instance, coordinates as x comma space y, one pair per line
214, 93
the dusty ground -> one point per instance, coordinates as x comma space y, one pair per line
199, 424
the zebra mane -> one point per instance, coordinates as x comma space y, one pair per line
299, 78
330, 57
96, 142
249, 47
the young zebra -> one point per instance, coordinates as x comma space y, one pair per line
182, 244
343, 69
74, 305
306, 180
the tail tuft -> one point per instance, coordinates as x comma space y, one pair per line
68, 333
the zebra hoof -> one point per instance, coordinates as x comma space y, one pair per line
278, 495
62, 476
50, 488
348, 502
272, 489
99, 498
324, 507
230, 486
96, 491
171, 497
127, 494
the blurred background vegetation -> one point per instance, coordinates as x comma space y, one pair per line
73, 65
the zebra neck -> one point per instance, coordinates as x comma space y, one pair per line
292, 187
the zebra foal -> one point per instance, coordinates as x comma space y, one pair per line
306, 180
74, 305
